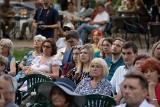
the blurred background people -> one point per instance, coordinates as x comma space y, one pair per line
7, 23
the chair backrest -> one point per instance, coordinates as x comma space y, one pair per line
34, 78
96, 100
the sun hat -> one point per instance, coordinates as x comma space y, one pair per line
67, 86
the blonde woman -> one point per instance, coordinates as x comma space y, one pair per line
6, 49
96, 84
85, 58
100, 46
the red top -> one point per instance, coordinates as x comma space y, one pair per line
157, 91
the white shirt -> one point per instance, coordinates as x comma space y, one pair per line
143, 104
118, 76
104, 16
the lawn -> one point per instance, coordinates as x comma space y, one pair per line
19, 53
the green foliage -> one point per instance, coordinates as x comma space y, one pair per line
20, 53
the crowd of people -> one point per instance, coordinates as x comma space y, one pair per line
107, 66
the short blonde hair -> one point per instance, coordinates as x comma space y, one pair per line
3, 60
8, 43
102, 63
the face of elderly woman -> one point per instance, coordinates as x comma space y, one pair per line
4, 48
37, 43
58, 98
157, 52
96, 70
138, 64
151, 75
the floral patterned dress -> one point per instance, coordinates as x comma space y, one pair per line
103, 87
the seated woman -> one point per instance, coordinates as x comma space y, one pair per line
100, 52
96, 84
82, 70
61, 93
139, 60
26, 61
106, 47
3, 64
96, 36
46, 64
6, 49
72, 65
156, 51
151, 70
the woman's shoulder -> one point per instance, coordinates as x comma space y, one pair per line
105, 82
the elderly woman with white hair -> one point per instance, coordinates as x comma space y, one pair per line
26, 61
6, 49
96, 84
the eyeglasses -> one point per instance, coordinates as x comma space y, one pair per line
96, 66
8, 77
47, 47
77, 47
4, 46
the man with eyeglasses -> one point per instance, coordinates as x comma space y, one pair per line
8, 87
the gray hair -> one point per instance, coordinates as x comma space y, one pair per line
42, 38
102, 63
14, 85
9, 44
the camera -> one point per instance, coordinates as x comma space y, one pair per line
40, 23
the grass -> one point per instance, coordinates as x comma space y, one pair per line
19, 53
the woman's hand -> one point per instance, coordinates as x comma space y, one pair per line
2, 100
152, 86
24, 68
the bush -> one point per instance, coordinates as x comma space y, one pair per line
20, 53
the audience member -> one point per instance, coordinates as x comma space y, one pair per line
115, 60
96, 36
135, 90
155, 11
47, 64
139, 60
151, 70
28, 58
8, 87
46, 19
70, 66
109, 7
99, 22
6, 49
61, 93
99, 53
3, 65
72, 38
96, 84
156, 50
141, 10
70, 14
129, 52
82, 70
85, 11
106, 47
7, 23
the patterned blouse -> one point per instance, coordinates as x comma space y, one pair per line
103, 87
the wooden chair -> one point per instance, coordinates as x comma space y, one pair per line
96, 100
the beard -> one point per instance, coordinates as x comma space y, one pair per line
116, 53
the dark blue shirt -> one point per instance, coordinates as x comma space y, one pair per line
48, 16
113, 66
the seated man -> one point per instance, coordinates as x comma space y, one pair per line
98, 22
8, 88
7, 23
